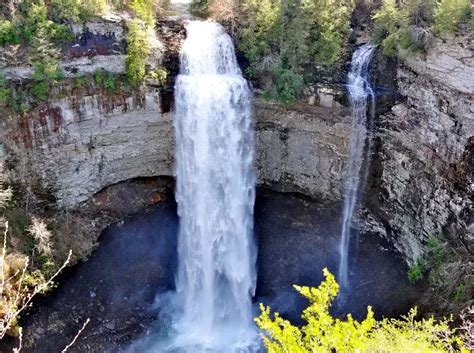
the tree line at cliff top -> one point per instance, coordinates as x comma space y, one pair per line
282, 38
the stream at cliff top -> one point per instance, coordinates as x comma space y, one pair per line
136, 261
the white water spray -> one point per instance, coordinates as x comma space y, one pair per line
215, 194
359, 91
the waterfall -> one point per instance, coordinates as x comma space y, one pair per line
359, 91
215, 194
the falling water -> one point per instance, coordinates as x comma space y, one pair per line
215, 194
359, 91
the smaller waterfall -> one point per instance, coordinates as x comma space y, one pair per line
359, 91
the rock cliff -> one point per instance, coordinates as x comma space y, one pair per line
421, 182
302, 148
76, 146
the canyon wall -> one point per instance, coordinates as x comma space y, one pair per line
76, 146
85, 138
302, 148
420, 178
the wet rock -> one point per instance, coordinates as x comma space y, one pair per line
110, 325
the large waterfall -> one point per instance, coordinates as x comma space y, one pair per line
359, 91
216, 187
215, 194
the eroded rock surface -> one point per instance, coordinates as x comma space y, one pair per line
77, 146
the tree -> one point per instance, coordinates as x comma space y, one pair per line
324, 333
138, 51
281, 37
450, 13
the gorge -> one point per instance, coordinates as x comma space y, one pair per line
368, 173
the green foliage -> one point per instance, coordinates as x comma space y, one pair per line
416, 271
324, 333
76, 10
410, 335
432, 263
258, 34
289, 85
80, 81
106, 80
138, 51
160, 75
437, 256
450, 14
280, 37
8, 34
19, 101
34, 20
199, 7
5, 90
18, 221
459, 292
392, 26
145, 10
46, 74
401, 27
66, 10
138, 42
329, 22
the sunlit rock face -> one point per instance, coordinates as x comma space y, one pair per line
302, 149
76, 146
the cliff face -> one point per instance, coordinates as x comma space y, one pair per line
76, 146
302, 149
422, 170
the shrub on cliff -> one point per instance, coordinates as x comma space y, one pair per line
145, 10
323, 333
8, 33
394, 25
5, 95
76, 10
199, 8
34, 17
138, 50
